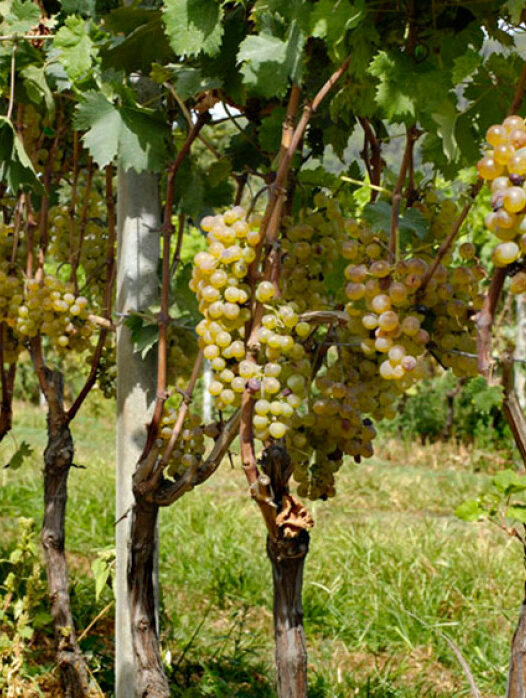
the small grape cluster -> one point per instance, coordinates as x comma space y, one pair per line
107, 370
332, 427
182, 353
504, 165
51, 308
190, 446
86, 244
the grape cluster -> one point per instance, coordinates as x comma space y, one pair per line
190, 446
219, 281
393, 315
51, 309
107, 370
504, 165
86, 243
311, 247
182, 353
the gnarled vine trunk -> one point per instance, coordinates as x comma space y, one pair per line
287, 557
287, 521
58, 459
151, 680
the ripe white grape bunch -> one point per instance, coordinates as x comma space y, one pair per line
504, 165
219, 280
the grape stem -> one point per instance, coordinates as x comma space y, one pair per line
373, 163
484, 320
519, 92
83, 219
320, 317
374, 187
108, 292
143, 473
511, 406
394, 237
444, 247
71, 211
7, 381
168, 492
178, 425
12, 82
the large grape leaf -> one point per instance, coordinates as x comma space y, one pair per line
193, 26
133, 136
270, 62
75, 46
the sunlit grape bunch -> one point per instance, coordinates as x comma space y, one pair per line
218, 280
278, 378
50, 308
504, 165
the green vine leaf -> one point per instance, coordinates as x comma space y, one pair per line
17, 459
194, 26
76, 47
133, 136
470, 510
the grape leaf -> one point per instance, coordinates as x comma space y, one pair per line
469, 511
85, 8
517, 512
331, 20
515, 8
15, 166
193, 26
37, 88
144, 334
75, 46
268, 62
133, 136
507, 482
17, 459
19, 17
270, 130
188, 81
141, 46
465, 65
101, 571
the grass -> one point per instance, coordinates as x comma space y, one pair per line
389, 574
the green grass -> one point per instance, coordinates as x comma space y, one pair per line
390, 572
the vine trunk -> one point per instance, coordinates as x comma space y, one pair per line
58, 459
287, 557
151, 681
